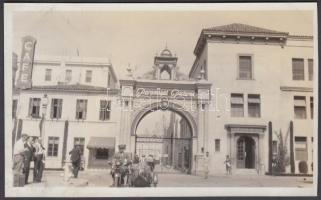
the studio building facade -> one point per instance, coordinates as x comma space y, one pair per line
69, 104
247, 85
268, 77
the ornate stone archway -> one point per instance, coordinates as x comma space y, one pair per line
142, 95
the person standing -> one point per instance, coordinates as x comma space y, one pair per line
29, 156
206, 165
122, 157
75, 157
39, 161
18, 157
228, 165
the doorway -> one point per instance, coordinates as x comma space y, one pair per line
245, 153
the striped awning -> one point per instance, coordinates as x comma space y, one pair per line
101, 142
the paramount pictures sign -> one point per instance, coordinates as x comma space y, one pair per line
171, 93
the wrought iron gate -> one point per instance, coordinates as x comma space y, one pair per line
171, 155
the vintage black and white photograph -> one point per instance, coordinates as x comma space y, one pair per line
161, 99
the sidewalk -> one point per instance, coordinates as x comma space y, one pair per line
102, 178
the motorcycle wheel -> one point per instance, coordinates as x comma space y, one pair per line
129, 180
155, 179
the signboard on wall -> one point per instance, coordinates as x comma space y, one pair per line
172, 93
26, 62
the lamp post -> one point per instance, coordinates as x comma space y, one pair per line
44, 105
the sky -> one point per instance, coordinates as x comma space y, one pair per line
135, 37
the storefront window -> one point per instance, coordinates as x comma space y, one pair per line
102, 154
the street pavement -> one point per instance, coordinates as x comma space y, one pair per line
102, 178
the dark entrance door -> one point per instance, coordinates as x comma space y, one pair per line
245, 153
172, 155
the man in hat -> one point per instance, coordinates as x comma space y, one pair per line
75, 157
39, 163
18, 155
123, 158
29, 156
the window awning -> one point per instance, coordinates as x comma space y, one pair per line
101, 142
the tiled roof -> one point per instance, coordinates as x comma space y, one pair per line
243, 28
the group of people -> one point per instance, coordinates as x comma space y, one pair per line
26, 150
142, 167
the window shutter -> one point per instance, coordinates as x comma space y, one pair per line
101, 110
52, 108
77, 108
59, 108
108, 110
30, 106
85, 109
310, 66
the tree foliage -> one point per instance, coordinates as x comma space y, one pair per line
281, 160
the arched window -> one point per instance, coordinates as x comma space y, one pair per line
165, 73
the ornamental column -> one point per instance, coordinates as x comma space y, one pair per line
203, 101
126, 102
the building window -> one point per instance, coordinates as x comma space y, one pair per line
298, 69
254, 107
34, 107
80, 142
102, 154
104, 113
301, 152
53, 143
81, 109
48, 75
245, 67
14, 108
165, 73
311, 107
68, 75
275, 147
310, 69
299, 107
56, 108
88, 76
237, 105
217, 145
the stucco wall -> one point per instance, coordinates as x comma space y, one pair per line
272, 67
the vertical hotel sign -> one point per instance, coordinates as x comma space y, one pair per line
26, 62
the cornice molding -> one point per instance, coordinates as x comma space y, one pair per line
70, 90
245, 128
296, 89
